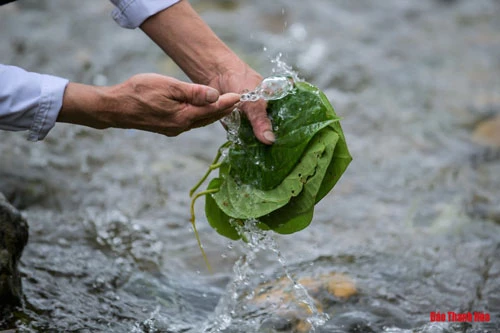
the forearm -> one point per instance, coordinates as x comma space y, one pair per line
87, 105
190, 42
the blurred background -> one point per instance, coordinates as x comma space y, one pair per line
412, 227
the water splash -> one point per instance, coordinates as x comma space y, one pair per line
281, 68
274, 87
232, 124
271, 88
226, 311
316, 318
230, 305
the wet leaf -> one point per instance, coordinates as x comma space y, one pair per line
280, 184
217, 219
298, 213
244, 201
296, 119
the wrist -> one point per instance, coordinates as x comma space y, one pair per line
228, 64
88, 105
235, 77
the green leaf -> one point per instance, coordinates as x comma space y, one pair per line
295, 223
279, 184
297, 214
340, 160
242, 201
341, 156
296, 119
216, 217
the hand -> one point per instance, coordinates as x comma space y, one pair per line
246, 79
183, 35
149, 102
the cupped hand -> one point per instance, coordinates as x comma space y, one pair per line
242, 79
149, 102
165, 105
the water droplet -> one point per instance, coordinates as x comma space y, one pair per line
275, 87
232, 124
271, 88
281, 68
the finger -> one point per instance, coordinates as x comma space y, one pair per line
261, 124
214, 111
194, 94
212, 117
227, 101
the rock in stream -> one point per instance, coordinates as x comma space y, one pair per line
13, 238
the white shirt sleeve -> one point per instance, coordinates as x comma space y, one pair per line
29, 101
32, 101
131, 13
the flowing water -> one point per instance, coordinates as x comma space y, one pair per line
243, 286
271, 88
411, 228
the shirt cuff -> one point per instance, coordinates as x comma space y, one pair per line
51, 99
131, 13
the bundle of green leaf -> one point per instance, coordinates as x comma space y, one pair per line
278, 185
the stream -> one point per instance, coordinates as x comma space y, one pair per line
411, 230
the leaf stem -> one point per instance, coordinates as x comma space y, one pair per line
193, 200
214, 165
205, 176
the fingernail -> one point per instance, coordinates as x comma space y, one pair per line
212, 95
268, 135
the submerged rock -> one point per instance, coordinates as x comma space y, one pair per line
325, 290
13, 238
487, 132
